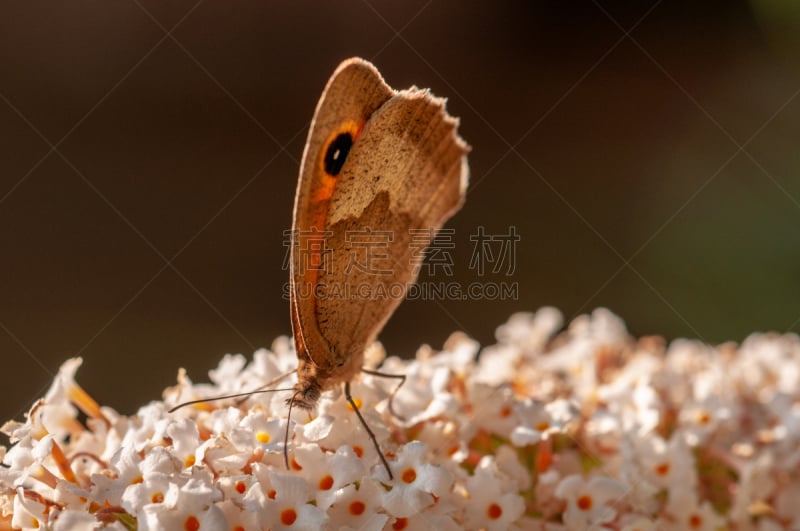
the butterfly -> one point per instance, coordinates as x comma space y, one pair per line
376, 161
380, 168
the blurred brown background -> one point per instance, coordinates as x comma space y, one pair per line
645, 152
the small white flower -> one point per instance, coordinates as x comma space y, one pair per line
123, 471
221, 455
669, 465
686, 512
494, 503
57, 414
530, 331
347, 429
358, 508
190, 506
492, 409
757, 482
416, 483
152, 490
158, 518
228, 374
185, 439
283, 503
328, 473
258, 431
29, 512
72, 520
445, 445
425, 393
18, 460
146, 428
159, 460
508, 463
422, 521
224, 421
236, 516
604, 431
538, 421
700, 419
588, 500
636, 522
498, 365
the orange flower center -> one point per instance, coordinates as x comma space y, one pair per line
409, 475
400, 523
494, 511
288, 516
662, 469
703, 417
191, 524
357, 508
695, 521
326, 483
358, 404
585, 502
157, 497
240, 487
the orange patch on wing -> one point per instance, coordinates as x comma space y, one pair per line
324, 190
321, 194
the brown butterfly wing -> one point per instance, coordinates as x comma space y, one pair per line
353, 93
405, 170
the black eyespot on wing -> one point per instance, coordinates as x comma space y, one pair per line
337, 153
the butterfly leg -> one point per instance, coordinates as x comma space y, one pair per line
352, 403
401, 377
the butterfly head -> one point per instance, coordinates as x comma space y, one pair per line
314, 378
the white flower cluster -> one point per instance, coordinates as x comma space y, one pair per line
586, 428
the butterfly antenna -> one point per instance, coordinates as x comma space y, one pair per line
269, 383
241, 396
286, 436
366, 427
224, 397
401, 377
